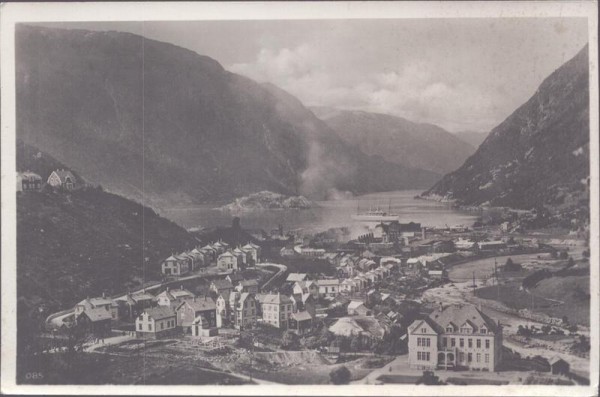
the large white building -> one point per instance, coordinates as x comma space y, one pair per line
455, 337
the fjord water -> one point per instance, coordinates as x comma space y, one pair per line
327, 214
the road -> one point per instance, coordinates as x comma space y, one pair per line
282, 270
56, 319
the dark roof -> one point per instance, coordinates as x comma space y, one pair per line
556, 359
458, 315
158, 313
249, 283
276, 299
235, 277
98, 314
199, 304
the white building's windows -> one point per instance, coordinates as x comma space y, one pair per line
423, 330
487, 358
487, 343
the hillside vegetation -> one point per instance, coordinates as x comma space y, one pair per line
538, 156
152, 120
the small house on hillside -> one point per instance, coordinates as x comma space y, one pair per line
358, 308
189, 310
28, 181
329, 287
175, 266
301, 322
173, 297
559, 366
156, 323
227, 261
62, 178
95, 321
102, 302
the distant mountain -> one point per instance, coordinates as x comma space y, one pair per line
162, 124
74, 244
471, 137
398, 140
538, 155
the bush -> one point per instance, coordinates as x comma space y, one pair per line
340, 376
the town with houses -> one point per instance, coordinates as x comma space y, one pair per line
398, 304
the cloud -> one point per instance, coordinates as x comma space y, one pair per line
420, 91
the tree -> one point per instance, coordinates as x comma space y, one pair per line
289, 340
570, 262
546, 329
563, 255
340, 376
429, 378
355, 344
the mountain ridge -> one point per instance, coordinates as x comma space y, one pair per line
539, 155
166, 126
398, 140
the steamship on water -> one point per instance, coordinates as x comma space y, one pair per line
375, 215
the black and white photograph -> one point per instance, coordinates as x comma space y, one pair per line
317, 198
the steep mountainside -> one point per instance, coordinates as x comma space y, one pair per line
398, 140
153, 120
471, 137
85, 242
538, 155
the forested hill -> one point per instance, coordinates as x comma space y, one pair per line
74, 244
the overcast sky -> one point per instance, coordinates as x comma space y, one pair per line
461, 74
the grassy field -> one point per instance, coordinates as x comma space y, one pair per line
553, 296
513, 297
563, 288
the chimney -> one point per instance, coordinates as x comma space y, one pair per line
167, 289
194, 299
181, 288
441, 307
103, 294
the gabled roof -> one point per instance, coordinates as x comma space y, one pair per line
166, 294
251, 245
199, 304
29, 175
63, 174
95, 302
556, 359
141, 296
461, 314
355, 304
171, 258
97, 314
301, 316
179, 293
417, 323
226, 254
334, 281
160, 312
277, 299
